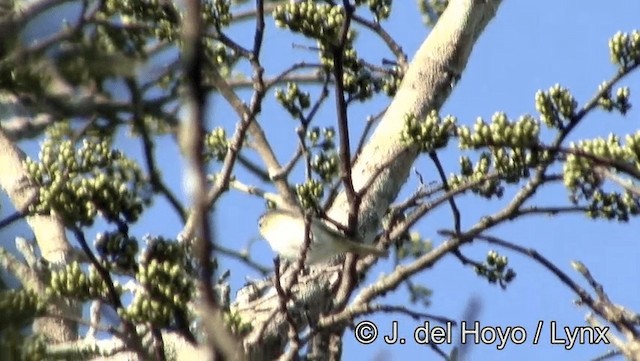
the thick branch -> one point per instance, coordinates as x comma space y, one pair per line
428, 82
48, 229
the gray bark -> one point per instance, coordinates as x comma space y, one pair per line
49, 234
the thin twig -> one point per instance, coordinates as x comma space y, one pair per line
251, 13
223, 344
395, 48
244, 257
343, 126
253, 168
371, 120
148, 145
158, 344
602, 306
551, 210
13, 217
624, 183
285, 75
284, 295
445, 184
133, 339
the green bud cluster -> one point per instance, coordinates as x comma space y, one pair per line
429, 134
326, 165
502, 132
487, 188
511, 151
166, 277
216, 145
317, 21
72, 281
167, 288
114, 48
142, 10
431, 10
360, 84
391, 82
414, 246
557, 106
620, 103
624, 49
144, 309
357, 80
34, 348
217, 12
113, 39
323, 139
380, 8
324, 23
613, 205
310, 193
420, 293
293, 99
77, 184
26, 78
584, 181
632, 146
19, 307
118, 251
142, 19
93, 60
495, 270
233, 320
513, 164
163, 249
220, 58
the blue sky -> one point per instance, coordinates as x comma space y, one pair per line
528, 46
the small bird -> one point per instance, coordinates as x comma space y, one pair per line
285, 232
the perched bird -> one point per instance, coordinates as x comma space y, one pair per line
285, 232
